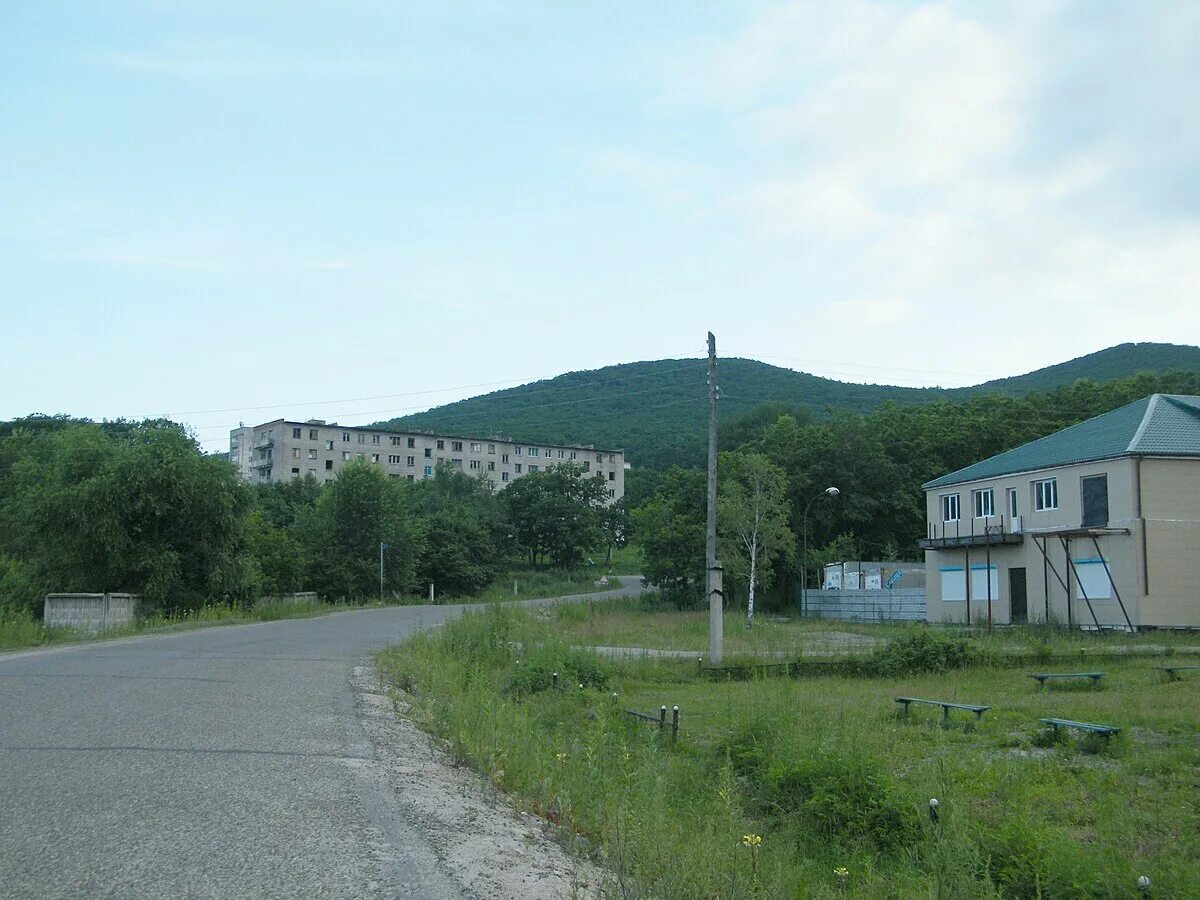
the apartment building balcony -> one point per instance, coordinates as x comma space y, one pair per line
991, 532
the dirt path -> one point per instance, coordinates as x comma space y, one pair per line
489, 848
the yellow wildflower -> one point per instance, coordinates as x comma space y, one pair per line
841, 872
752, 840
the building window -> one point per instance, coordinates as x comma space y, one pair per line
574, 455
612, 492
492, 449
312, 454
560, 453
429, 453
296, 434
375, 439
504, 476
491, 465
411, 461
533, 451
328, 464
1012, 503
1093, 495
295, 453
395, 441
474, 464
599, 457
587, 465
517, 451
362, 438
412, 443
517, 468
345, 437
345, 454
475, 448
456, 446
411, 477
949, 507
1045, 494
985, 503
546, 453
504, 457
329, 445
456, 464
441, 445
312, 434
428, 471
612, 476
312, 472
393, 460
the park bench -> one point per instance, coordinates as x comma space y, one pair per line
946, 707
1171, 670
1105, 730
1042, 678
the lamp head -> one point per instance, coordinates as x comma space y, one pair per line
832, 491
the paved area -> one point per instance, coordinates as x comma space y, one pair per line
224, 762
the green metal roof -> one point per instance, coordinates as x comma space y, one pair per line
1158, 425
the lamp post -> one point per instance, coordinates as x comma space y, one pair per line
828, 492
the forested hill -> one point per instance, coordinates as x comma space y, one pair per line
656, 410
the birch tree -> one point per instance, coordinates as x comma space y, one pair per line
752, 516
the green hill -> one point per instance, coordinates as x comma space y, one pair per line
657, 410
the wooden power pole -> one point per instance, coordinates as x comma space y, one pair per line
713, 580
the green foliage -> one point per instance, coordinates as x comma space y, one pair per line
360, 509
752, 520
556, 514
658, 408
19, 592
465, 536
670, 526
921, 649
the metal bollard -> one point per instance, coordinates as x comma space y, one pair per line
554, 680
662, 718
674, 723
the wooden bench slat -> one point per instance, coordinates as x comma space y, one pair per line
1085, 726
971, 706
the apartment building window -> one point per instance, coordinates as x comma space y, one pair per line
475, 448
411, 461
504, 457
312, 434
587, 465
345, 454
328, 464
295, 453
441, 445
1012, 503
612, 492
395, 441
574, 455
533, 469
546, 453
233, 442
312, 453
504, 476
296, 434
516, 451
429, 453
362, 438
560, 453
428, 471
375, 438
295, 471
412, 443
533, 451
492, 449
374, 457
312, 472
612, 476
984, 502
491, 465
1045, 494
456, 446
393, 460
474, 464
345, 437
949, 507
1093, 496
329, 445
599, 457
612, 458
517, 468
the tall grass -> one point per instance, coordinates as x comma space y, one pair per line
822, 770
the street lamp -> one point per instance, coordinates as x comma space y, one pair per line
828, 492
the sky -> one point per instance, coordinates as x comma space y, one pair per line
227, 212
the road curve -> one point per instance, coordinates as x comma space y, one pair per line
220, 762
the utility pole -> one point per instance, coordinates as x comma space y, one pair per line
713, 582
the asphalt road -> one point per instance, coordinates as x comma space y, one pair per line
222, 762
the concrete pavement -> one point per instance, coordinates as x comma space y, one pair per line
222, 762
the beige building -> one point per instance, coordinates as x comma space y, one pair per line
1097, 525
282, 450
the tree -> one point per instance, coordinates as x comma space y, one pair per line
555, 514
138, 509
752, 520
670, 526
465, 537
358, 511
615, 525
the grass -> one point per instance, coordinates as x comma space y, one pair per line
823, 770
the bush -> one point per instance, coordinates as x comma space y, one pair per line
19, 594
922, 650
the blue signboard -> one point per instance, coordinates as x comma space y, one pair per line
892, 579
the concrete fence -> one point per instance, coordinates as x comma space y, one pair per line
899, 605
90, 613
289, 598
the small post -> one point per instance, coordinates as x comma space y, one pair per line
674, 723
431, 600
554, 680
699, 665
933, 810
662, 718
514, 589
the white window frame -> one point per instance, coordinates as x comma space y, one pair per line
1045, 494
1013, 508
983, 503
945, 502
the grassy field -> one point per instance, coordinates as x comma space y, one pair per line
815, 787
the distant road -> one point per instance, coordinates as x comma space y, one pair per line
222, 762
